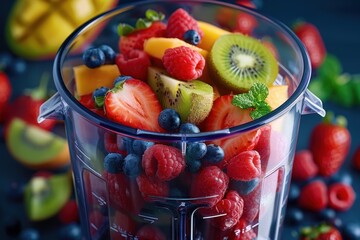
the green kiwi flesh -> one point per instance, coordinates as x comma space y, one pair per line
237, 61
192, 100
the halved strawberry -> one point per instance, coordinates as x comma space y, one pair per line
133, 103
225, 115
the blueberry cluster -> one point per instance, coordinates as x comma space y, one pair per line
96, 56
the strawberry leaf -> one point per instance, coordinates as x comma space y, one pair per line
125, 29
142, 23
152, 15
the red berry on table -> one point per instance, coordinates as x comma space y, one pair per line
69, 213
245, 166
179, 23
356, 159
209, 181
246, 3
304, 166
136, 39
183, 63
245, 23
330, 144
320, 232
133, 103
311, 38
341, 196
313, 196
152, 187
163, 162
135, 64
5, 93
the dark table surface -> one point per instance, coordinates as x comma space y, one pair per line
339, 24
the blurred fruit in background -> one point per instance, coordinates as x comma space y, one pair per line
35, 29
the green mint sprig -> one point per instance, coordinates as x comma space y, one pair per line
142, 23
254, 99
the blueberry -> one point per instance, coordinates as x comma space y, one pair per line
6, 60
70, 232
294, 192
352, 231
29, 234
294, 216
126, 144
121, 79
132, 165
110, 54
139, 146
113, 162
327, 215
214, 153
169, 119
99, 96
93, 57
193, 165
188, 128
341, 178
191, 36
245, 187
18, 66
196, 150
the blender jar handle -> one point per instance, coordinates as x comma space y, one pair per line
53, 108
312, 104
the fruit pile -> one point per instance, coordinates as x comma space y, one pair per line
182, 76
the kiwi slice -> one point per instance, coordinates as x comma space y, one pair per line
237, 61
192, 100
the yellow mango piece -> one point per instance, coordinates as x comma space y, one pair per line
277, 95
156, 46
89, 79
211, 34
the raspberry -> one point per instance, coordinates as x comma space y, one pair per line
163, 162
69, 213
180, 22
183, 63
87, 101
356, 159
245, 166
111, 145
304, 166
231, 207
209, 181
150, 187
313, 196
263, 146
136, 39
341, 196
135, 64
149, 232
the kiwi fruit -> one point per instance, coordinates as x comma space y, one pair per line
192, 100
237, 61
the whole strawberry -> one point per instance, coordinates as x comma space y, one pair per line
320, 232
314, 44
5, 93
330, 143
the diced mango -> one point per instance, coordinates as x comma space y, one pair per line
89, 79
156, 46
211, 34
277, 95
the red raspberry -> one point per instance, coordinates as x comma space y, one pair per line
152, 187
183, 63
245, 166
231, 207
304, 166
163, 162
135, 64
356, 159
179, 22
149, 232
313, 196
87, 101
210, 181
136, 39
341, 196
263, 146
69, 213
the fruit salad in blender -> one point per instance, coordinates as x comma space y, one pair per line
179, 75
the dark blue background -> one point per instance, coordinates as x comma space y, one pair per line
339, 24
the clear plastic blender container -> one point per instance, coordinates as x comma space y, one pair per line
113, 207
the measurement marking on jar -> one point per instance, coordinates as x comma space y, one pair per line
82, 153
100, 200
214, 216
148, 218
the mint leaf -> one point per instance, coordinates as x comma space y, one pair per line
254, 99
125, 29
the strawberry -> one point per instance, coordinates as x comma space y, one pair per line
5, 94
320, 232
225, 115
330, 144
133, 103
135, 64
304, 166
136, 39
27, 105
313, 196
245, 23
310, 36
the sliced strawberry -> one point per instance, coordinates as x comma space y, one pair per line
225, 115
134, 104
